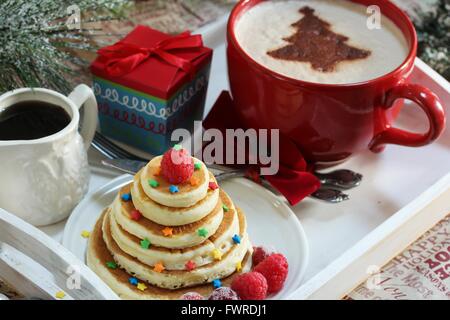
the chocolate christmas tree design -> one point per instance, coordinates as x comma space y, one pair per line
316, 43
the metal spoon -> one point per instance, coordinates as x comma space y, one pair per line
342, 179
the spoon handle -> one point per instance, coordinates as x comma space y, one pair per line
326, 195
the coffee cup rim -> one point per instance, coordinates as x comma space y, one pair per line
411, 36
74, 115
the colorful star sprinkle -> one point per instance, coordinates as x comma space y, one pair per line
153, 183
194, 181
177, 147
126, 197
141, 286
190, 265
217, 254
167, 232
213, 186
60, 295
239, 266
237, 239
197, 166
133, 281
157, 171
174, 189
217, 283
202, 232
159, 267
135, 215
85, 234
225, 208
145, 244
111, 265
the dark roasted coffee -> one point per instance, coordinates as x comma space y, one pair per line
29, 120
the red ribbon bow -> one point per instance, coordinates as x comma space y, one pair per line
122, 57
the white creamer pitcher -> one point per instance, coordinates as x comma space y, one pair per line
42, 180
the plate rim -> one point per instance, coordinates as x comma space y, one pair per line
304, 262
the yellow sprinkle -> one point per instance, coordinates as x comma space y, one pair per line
141, 286
217, 254
167, 232
159, 267
239, 266
60, 295
194, 181
85, 234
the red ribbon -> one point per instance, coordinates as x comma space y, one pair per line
122, 57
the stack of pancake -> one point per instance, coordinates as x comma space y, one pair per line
159, 241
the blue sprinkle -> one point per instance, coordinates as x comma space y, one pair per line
236, 239
133, 281
126, 197
173, 189
217, 283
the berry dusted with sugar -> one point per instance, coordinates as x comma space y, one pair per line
259, 254
224, 293
275, 269
177, 166
192, 296
250, 286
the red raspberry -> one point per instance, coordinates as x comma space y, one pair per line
177, 166
259, 254
223, 293
275, 270
192, 296
250, 286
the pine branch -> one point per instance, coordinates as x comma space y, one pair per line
433, 29
35, 40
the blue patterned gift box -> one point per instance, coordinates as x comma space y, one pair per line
143, 111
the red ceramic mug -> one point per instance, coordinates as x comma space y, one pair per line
327, 122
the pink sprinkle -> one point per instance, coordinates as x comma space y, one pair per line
135, 215
213, 186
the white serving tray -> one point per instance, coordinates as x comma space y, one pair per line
392, 180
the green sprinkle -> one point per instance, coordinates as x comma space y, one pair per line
145, 244
153, 183
177, 147
202, 232
197, 166
111, 265
225, 208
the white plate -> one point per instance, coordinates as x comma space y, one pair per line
271, 223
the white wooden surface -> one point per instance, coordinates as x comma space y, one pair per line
32, 261
380, 246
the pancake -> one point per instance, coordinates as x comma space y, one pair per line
171, 279
117, 279
175, 279
182, 236
187, 196
176, 259
170, 216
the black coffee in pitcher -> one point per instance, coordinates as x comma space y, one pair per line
30, 120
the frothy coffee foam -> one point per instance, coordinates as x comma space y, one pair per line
263, 28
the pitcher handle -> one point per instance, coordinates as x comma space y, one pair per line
82, 95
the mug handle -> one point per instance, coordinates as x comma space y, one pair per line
428, 102
83, 95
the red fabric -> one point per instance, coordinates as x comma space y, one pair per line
294, 179
152, 62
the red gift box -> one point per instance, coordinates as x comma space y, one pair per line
149, 84
154, 75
